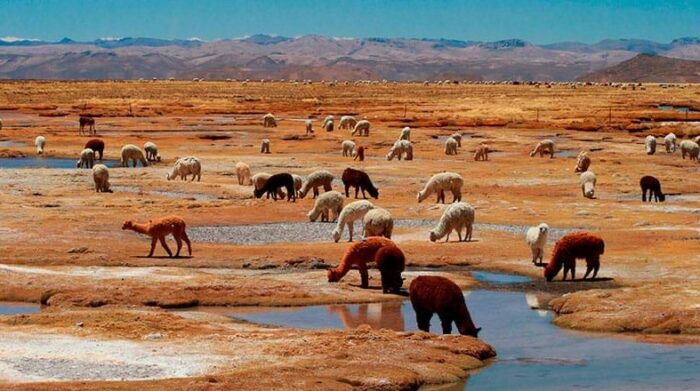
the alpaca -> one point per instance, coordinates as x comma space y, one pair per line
536, 238
359, 154
361, 128
347, 122
360, 181
457, 216
582, 162
158, 229
40, 142
439, 183
378, 222
89, 122
348, 148
405, 134
298, 181
259, 181
243, 174
400, 149
351, 212
328, 124
670, 143
269, 121
87, 159
100, 174
588, 181
151, 151
131, 152
696, 140
315, 180
650, 145
329, 118
570, 247
690, 148
96, 145
436, 294
265, 145
309, 126
544, 147
651, 184
274, 183
327, 205
481, 153
450, 146
388, 256
185, 166
458, 138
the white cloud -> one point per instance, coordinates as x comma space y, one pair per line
110, 38
15, 39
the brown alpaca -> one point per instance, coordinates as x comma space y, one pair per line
86, 121
435, 294
570, 247
96, 145
360, 154
158, 229
482, 153
389, 258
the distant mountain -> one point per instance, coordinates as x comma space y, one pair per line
318, 57
649, 68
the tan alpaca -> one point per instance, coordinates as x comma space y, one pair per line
158, 229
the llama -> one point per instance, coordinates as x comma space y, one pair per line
327, 204
457, 216
87, 159
670, 143
439, 183
436, 294
481, 153
184, 167
359, 154
588, 181
315, 180
651, 184
450, 146
100, 174
351, 212
544, 147
536, 238
361, 128
690, 148
131, 152
88, 121
360, 181
158, 229
348, 148
39, 143
650, 145
347, 122
151, 151
274, 183
269, 121
243, 174
582, 162
96, 145
378, 222
570, 247
388, 257
265, 145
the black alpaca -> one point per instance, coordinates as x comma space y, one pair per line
360, 181
274, 183
651, 184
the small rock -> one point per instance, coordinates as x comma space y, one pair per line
246, 265
79, 324
267, 266
153, 336
78, 250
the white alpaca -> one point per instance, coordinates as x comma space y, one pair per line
450, 146
309, 126
100, 174
315, 180
348, 148
265, 145
588, 181
347, 122
351, 212
690, 148
440, 183
405, 134
329, 118
697, 140
131, 152
670, 143
458, 138
151, 151
185, 166
269, 121
378, 222
544, 147
39, 142
582, 162
87, 159
243, 174
298, 181
457, 216
400, 149
327, 205
536, 238
650, 145
361, 128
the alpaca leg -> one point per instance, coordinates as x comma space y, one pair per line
469, 233
573, 269
423, 320
351, 226
178, 241
347, 191
165, 246
535, 255
644, 195
446, 322
364, 276
357, 190
153, 246
595, 270
187, 241
459, 233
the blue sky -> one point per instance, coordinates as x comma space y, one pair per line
538, 21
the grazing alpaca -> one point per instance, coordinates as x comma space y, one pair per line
670, 143
348, 147
582, 162
347, 122
100, 174
439, 183
650, 145
451, 146
96, 145
481, 153
360, 181
40, 142
588, 181
131, 152
273, 185
351, 212
570, 247
691, 149
265, 145
536, 238
327, 205
435, 294
184, 166
316, 179
243, 174
361, 128
388, 256
151, 149
457, 216
269, 121
89, 122
544, 147
653, 186
87, 159
309, 126
158, 229
378, 222
359, 153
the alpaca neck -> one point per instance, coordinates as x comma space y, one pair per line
464, 321
140, 228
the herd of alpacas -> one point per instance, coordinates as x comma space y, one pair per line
428, 294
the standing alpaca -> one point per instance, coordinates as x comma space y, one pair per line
588, 182
435, 294
158, 229
570, 247
582, 162
351, 212
651, 184
328, 205
243, 174
458, 137
89, 122
309, 126
184, 167
39, 142
536, 238
360, 181
544, 147
457, 216
439, 183
388, 256
269, 121
670, 143
359, 154
691, 149
650, 145
361, 128
348, 147
405, 134
378, 222
450, 146
316, 179
98, 146
400, 149
151, 151
87, 159
328, 124
347, 122
265, 145
481, 153
100, 174
131, 152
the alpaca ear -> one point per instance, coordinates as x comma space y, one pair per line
476, 333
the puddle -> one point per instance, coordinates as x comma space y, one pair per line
46, 162
532, 353
567, 153
12, 144
18, 308
164, 193
680, 109
500, 278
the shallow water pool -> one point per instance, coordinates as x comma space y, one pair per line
47, 162
18, 308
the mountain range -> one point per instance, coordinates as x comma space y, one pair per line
317, 57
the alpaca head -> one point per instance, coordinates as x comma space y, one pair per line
374, 192
258, 193
471, 331
128, 224
433, 236
662, 197
333, 275
336, 235
418, 197
544, 228
550, 273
